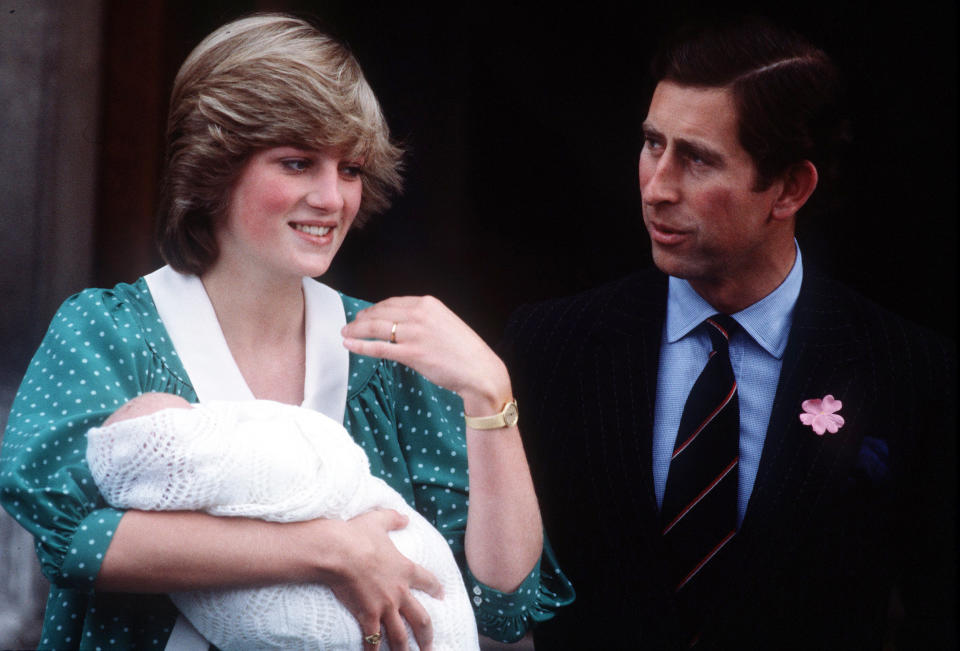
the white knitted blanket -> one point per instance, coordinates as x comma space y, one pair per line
277, 462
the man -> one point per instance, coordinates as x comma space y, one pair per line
825, 519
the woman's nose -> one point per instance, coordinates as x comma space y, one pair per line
325, 192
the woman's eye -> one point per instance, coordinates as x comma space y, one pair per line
352, 171
295, 164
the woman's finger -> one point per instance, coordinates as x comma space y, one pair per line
389, 519
419, 620
424, 580
376, 348
426, 309
384, 314
398, 303
371, 631
395, 631
381, 329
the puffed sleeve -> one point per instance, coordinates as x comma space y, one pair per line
100, 351
431, 431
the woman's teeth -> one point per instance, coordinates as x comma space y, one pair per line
312, 230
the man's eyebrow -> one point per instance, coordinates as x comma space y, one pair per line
685, 147
692, 149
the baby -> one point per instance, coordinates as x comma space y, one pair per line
266, 460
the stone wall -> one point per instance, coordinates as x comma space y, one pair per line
49, 90
23, 590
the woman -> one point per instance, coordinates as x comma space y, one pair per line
276, 145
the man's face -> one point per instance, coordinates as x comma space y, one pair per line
706, 222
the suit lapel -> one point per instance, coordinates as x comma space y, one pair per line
628, 356
632, 337
799, 469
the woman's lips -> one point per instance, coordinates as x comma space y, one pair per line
316, 233
312, 229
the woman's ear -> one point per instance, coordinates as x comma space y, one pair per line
799, 182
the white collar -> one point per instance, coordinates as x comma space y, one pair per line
188, 316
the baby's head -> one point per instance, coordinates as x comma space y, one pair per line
146, 404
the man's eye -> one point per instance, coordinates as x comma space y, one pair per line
295, 164
696, 160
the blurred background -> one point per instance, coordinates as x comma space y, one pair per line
522, 124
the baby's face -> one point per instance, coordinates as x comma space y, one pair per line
146, 404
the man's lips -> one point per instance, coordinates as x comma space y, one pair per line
667, 235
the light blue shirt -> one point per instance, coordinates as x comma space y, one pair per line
756, 354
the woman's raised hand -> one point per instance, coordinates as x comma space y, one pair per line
424, 334
503, 538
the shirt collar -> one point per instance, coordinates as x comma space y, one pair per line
767, 321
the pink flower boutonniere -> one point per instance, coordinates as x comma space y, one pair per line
822, 415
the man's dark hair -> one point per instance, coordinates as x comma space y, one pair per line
787, 92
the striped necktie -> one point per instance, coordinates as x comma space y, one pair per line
699, 511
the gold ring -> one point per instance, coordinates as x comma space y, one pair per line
393, 333
373, 639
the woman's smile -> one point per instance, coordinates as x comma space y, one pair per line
318, 231
315, 200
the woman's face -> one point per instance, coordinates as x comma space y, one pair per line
290, 211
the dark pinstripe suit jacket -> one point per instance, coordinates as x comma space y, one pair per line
840, 530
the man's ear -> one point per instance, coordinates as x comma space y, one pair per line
799, 182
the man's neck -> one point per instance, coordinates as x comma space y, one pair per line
731, 293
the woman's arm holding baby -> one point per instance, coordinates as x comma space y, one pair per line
177, 551
172, 551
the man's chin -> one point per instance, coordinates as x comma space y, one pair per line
670, 264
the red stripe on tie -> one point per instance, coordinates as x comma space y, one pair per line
702, 494
712, 415
726, 335
706, 560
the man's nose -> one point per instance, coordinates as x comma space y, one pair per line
659, 181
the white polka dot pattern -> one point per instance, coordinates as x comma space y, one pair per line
106, 346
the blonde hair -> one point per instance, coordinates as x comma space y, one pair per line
263, 81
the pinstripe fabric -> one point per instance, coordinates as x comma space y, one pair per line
833, 520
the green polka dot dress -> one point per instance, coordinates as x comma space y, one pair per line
107, 346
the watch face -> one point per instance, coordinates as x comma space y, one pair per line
511, 415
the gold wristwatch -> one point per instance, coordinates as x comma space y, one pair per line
508, 417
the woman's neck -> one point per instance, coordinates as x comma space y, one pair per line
262, 317
255, 309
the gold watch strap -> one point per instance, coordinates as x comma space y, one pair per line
507, 417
